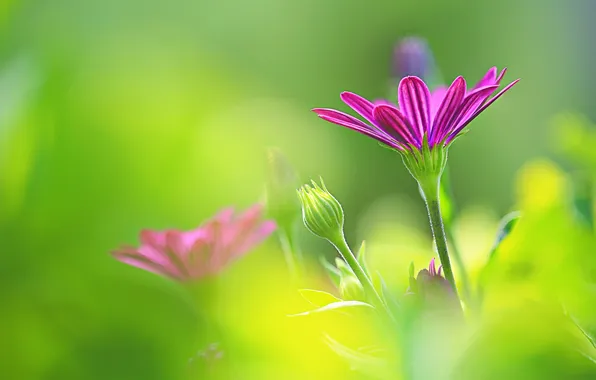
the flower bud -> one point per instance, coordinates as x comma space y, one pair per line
321, 212
412, 57
431, 289
350, 289
282, 182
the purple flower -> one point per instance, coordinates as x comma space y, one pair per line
204, 251
433, 270
431, 289
412, 56
436, 118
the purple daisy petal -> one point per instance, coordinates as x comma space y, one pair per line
432, 268
414, 101
501, 75
133, 257
386, 102
345, 120
464, 123
450, 104
395, 123
469, 106
489, 79
436, 98
499, 94
358, 104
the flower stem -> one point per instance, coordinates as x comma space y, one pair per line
455, 251
465, 279
431, 197
344, 250
291, 254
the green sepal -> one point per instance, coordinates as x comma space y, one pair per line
425, 164
505, 228
332, 271
318, 298
506, 225
344, 269
361, 257
389, 299
340, 306
369, 365
349, 286
446, 197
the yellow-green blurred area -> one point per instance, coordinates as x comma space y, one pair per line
121, 115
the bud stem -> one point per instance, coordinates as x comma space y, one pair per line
430, 190
372, 295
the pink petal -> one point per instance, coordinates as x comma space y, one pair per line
345, 120
359, 104
257, 236
154, 246
469, 106
436, 99
378, 102
451, 102
394, 123
414, 101
432, 269
225, 215
132, 257
489, 79
199, 258
465, 122
501, 75
153, 238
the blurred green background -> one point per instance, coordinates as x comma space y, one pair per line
122, 115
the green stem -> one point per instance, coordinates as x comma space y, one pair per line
431, 197
293, 260
344, 250
465, 279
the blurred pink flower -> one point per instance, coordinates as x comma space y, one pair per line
205, 251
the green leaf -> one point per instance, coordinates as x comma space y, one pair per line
446, 197
318, 298
589, 336
332, 271
361, 257
340, 306
359, 361
344, 269
391, 301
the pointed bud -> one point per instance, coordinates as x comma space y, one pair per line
412, 56
282, 182
321, 212
350, 288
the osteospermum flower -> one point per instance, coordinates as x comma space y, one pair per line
432, 289
205, 251
423, 123
412, 56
